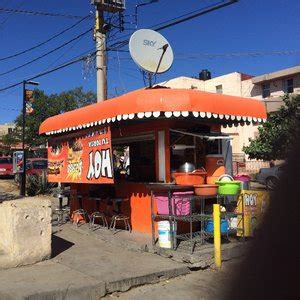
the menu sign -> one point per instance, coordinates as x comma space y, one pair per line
82, 158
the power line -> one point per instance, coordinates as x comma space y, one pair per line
240, 54
178, 20
39, 13
46, 54
7, 18
10, 109
187, 56
195, 14
46, 41
49, 71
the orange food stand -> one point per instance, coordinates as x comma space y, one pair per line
156, 129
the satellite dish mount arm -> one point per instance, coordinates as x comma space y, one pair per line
164, 48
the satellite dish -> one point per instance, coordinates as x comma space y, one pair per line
151, 51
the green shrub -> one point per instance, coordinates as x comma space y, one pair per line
38, 184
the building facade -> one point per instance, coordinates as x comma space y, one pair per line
6, 128
268, 88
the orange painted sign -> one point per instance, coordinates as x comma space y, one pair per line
84, 157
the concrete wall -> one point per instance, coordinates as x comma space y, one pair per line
231, 84
25, 232
184, 83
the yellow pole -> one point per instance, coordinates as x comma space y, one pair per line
217, 236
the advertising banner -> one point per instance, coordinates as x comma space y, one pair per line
85, 157
18, 162
253, 204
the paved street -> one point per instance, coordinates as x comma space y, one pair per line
203, 284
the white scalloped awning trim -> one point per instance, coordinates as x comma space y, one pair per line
237, 120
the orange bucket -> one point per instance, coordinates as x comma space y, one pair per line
190, 178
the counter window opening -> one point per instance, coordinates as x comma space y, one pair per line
134, 161
192, 149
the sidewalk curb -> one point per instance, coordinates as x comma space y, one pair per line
91, 292
99, 289
124, 285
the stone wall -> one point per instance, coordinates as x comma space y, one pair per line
25, 232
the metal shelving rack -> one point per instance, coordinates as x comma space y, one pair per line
192, 237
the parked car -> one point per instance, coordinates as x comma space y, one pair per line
6, 166
270, 176
34, 166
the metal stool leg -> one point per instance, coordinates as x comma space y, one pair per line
112, 222
106, 223
129, 227
125, 224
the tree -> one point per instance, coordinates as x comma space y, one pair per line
45, 106
277, 134
9, 140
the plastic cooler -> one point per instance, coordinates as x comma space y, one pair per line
214, 165
179, 199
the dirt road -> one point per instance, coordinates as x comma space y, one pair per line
8, 190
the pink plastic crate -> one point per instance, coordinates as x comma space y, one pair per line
180, 199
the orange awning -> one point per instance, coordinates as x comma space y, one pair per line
147, 103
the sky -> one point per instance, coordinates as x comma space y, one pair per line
256, 26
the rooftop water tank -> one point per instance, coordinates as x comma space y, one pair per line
204, 75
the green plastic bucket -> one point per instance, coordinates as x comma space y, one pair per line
228, 187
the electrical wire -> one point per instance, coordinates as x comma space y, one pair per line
46, 54
65, 52
241, 54
187, 56
46, 41
10, 109
7, 18
177, 20
38, 13
66, 64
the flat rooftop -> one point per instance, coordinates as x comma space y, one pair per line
276, 75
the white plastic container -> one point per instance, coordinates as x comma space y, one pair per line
165, 234
233, 223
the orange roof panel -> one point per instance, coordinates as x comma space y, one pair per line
162, 100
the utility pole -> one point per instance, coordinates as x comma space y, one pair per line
101, 28
23, 178
101, 67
